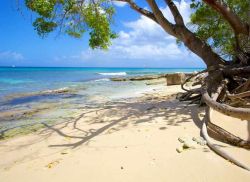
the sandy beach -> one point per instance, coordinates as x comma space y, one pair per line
125, 91
128, 140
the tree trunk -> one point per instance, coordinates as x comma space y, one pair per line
199, 47
180, 31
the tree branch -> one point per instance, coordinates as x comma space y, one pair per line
238, 26
175, 12
140, 10
165, 24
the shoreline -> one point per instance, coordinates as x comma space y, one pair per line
128, 140
19, 115
25, 129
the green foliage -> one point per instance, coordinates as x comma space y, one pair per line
42, 7
43, 27
212, 28
75, 18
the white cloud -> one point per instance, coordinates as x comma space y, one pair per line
11, 55
144, 40
119, 3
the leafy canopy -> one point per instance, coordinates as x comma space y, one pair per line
75, 17
212, 28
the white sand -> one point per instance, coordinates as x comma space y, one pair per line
130, 141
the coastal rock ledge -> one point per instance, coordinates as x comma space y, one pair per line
170, 79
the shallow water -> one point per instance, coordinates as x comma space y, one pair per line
29, 96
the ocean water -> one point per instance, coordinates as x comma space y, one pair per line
29, 96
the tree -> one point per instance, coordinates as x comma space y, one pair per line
212, 28
227, 84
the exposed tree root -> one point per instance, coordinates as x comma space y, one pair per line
237, 71
228, 137
220, 89
243, 87
189, 79
218, 150
240, 95
241, 113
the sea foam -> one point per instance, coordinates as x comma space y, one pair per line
114, 74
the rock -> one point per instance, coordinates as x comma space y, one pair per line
175, 79
182, 139
146, 77
179, 149
203, 143
64, 90
65, 152
200, 141
171, 79
119, 79
138, 78
52, 164
189, 144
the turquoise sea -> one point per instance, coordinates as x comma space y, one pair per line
31, 95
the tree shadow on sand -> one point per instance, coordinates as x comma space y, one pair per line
122, 114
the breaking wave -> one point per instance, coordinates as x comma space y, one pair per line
114, 74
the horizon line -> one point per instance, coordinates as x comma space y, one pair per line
99, 67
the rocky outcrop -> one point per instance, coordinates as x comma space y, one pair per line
176, 78
119, 79
170, 79
40, 93
138, 78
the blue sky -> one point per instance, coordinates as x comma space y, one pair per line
141, 43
